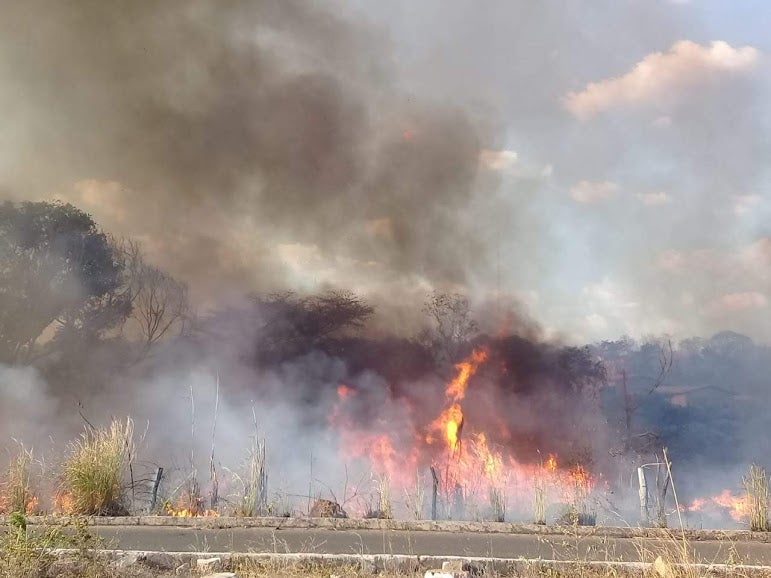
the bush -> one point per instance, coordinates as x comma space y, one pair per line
92, 480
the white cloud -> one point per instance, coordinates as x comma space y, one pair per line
593, 192
654, 199
686, 64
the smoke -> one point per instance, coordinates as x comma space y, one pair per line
248, 145
27, 406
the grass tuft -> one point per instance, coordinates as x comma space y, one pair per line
756, 487
253, 498
16, 491
94, 469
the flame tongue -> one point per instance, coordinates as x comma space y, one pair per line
450, 421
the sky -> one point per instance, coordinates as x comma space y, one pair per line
601, 165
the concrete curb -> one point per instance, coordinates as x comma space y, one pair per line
170, 561
359, 524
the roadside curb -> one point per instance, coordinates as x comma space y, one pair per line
374, 563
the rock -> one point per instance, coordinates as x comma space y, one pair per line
127, 561
662, 568
327, 509
437, 574
450, 569
159, 560
208, 565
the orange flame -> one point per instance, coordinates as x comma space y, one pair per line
187, 513
343, 391
470, 463
737, 505
450, 421
456, 390
63, 504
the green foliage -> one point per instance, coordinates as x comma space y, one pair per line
55, 266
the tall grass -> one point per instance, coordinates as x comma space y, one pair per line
416, 498
756, 487
498, 503
16, 491
92, 479
253, 499
383, 484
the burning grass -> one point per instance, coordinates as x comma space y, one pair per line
93, 473
17, 493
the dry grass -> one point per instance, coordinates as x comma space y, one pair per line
92, 479
539, 501
756, 487
498, 504
16, 491
264, 568
383, 485
416, 498
252, 500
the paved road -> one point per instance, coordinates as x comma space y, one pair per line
175, 539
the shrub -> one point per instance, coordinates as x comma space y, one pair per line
92, 480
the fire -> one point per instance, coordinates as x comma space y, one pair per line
580, 477
469, 461
31, 506
456, 390
450, 421
190, 513
737, 505
343, 391
63, 504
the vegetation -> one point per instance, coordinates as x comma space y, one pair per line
94, 470
17, 494
756, 488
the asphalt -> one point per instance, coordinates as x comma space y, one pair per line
565, 546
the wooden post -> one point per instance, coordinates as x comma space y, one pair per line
643, 495
434, 492
156, 485
459, 506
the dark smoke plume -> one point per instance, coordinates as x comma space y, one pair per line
218, 133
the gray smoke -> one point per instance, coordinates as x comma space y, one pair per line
238, 139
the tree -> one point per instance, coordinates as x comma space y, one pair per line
290, 325
160, 303
57, 270
452, 326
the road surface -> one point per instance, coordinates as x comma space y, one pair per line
436, 543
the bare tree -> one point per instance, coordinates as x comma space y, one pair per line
160, 303
452, 325
633, 402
